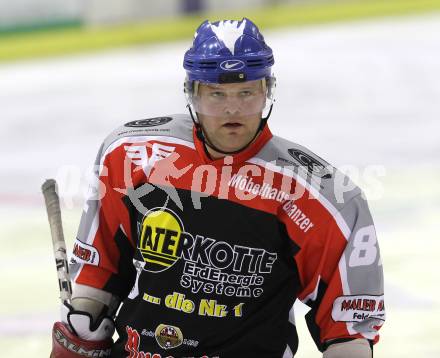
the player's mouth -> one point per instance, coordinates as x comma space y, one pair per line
232, 125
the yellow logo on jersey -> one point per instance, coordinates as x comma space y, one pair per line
160, 239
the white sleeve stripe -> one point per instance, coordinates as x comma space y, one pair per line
123, 231
345, 288
325, 203
343, 272
90, 237
94, 226
288, 352
312, 296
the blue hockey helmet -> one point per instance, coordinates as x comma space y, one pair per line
228, 51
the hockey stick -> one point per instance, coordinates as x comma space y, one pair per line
52, 201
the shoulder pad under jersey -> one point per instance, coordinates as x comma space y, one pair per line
176, 126
307, 168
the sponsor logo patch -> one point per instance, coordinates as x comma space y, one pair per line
133, 343
358, 308
232, 65
314, 166
149, 122
208, 265
168, 336
85, 253
161, 239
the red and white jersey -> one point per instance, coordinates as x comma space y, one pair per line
208, 256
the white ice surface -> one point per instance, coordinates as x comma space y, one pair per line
359, 94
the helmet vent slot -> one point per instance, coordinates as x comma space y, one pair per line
208, 64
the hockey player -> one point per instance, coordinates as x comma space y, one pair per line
205, 228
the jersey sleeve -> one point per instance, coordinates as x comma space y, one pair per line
103, 250
342, 277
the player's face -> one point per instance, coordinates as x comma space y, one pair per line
230, 114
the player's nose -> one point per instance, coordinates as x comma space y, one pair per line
232, 106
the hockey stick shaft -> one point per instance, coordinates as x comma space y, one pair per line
52, 201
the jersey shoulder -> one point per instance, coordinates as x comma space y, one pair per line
174, 127
309, 169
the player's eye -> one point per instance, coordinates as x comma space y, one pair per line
246, 93
217, 94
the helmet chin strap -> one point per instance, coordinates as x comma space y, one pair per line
207, 143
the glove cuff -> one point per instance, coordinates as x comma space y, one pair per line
81, 324
66, 345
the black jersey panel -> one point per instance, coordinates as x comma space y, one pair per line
224, 266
